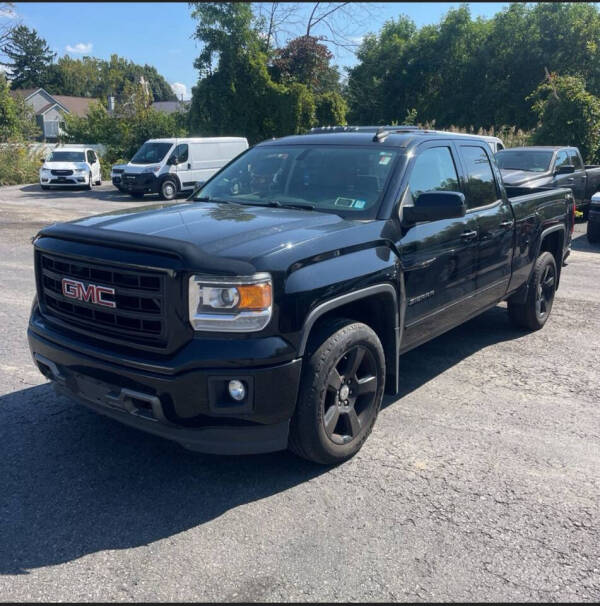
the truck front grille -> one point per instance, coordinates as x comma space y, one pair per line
139, 302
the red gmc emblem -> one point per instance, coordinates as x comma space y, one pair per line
73, 289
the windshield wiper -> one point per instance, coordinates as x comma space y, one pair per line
303, 205
216, 200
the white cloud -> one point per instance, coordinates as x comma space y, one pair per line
180, 89
7, 12
80, 48
357, 39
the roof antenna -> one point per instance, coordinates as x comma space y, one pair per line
381, 134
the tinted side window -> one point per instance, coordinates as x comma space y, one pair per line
433, 170
574, 159
562, 159
181, 153
480, 186
90, 156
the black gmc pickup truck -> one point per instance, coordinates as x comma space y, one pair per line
528, 169
271, 309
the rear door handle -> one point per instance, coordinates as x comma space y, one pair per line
469, 235
506, 224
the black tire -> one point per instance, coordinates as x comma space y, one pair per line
593, 232
534, 313
136, 194
340, 393
90, 182
99, 182
168, 190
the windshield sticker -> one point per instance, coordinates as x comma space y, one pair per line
384, 158
359, 203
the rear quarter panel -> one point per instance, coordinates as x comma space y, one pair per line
535, 213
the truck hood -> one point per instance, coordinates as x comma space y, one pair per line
524, 177
218, 232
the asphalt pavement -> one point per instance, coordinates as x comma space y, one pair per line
481, 481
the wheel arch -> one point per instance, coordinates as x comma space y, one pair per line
170, 177
377, 307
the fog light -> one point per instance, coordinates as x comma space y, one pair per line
237, 390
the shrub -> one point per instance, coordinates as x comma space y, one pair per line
18, 165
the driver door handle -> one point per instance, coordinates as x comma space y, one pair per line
468, 235
506, 224
189, 165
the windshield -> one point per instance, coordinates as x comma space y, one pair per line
151, 153
67, 156
528, 160
329, 178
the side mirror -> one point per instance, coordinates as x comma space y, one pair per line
172, 161
566, 169
434, 206
42, 160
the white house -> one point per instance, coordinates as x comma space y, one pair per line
50, 109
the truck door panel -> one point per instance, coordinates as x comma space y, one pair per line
438, 257
495, 224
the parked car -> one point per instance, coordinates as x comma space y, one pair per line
531, 168
116, 174
495, 143
271, 309
593, 226
170, 166
71, 166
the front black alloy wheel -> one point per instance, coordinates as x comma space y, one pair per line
340, 392
350, 399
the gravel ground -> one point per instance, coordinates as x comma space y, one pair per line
481, 482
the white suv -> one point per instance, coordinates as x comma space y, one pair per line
71, 166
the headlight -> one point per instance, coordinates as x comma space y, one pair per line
45, 172
151, 169
80, 171
230, 304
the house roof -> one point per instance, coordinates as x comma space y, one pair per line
78, 106
24, 92
170, 106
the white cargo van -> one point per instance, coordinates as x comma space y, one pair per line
169, 166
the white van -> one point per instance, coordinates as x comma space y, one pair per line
71, 166
169, 166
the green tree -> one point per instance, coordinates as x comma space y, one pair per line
568, 115
124, 131
306, 60
235, 94
331, 109
29, 58
17, 121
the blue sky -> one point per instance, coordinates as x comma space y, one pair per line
160, 33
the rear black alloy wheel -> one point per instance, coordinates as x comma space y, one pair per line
343, 377
545, 291
593, 232
534, 312
350, 399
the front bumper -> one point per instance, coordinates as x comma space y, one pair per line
190, 407
70, 180
146, 183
